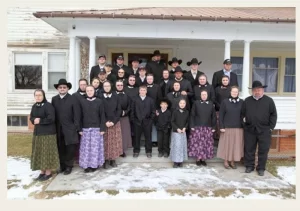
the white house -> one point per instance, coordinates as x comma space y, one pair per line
49, 45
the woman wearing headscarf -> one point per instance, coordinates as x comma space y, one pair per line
91, 154
231, 144
44, 155
113, 136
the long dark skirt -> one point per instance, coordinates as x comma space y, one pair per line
91, 148
200, 145
113, 142
44, 153
126, 133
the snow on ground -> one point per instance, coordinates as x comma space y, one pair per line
288, 174
19, 169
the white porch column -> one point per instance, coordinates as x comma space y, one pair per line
92, 54
72, 71
77, 63
227, 49
246, 69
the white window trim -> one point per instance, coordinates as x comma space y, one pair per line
44, 52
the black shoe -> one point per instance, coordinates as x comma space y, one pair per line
149, 155
113, 163
154, 144
203, 163
166, 155
62, 169
248, 170
135, 154
261, 172
180, 165
39, 177
106, 164
87, 170
198, 163
93, 169
160, 154
123, 155
68, 171
45, 177
175, 165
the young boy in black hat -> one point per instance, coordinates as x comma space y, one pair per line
163, 125
98, 68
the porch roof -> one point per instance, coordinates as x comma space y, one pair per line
243, 14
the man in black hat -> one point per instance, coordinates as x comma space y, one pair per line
217, 77
67, 121
156, 66
98, 68
194, 73
120, 64
174, 63
259, 118
134, 70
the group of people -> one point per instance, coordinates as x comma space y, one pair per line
179, 110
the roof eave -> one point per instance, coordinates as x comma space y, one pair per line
155, 17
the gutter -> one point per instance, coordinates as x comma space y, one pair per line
154, 17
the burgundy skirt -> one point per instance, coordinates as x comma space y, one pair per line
113, 146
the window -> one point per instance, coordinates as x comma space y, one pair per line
19, 121
237, 68
28, 70
290, 75
266, 71
145, 57
56, 68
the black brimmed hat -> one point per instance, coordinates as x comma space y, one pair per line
193, 61
257, 84
63, 81
174, 59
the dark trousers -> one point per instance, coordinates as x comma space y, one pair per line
163, 139
67, 153
132, 132
251, 140
138, 130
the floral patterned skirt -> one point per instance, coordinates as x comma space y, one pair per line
44, 153
113, 145
200, 144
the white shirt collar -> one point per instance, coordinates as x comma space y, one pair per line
62, 96
143, 98
107, 95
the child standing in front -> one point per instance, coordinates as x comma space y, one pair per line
179, 121
163, 125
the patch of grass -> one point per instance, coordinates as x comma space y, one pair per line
19, 145
140, 191
12, 183
274, 163
112, 192
286, 193
223, 192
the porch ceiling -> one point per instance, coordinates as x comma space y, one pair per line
245, 14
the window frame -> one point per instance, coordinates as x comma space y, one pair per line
281, 55
13, 51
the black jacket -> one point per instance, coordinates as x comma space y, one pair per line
67, 118
175, 98
139, 82
189, 76
230, 113
46, 113
131, 92
92, 114
95, 71
165, 87
163, 120
112, 108
154, 92
259, 114
221, 94
143, 111
125, 102
217, 79
156, 68
203, 114
180, 120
